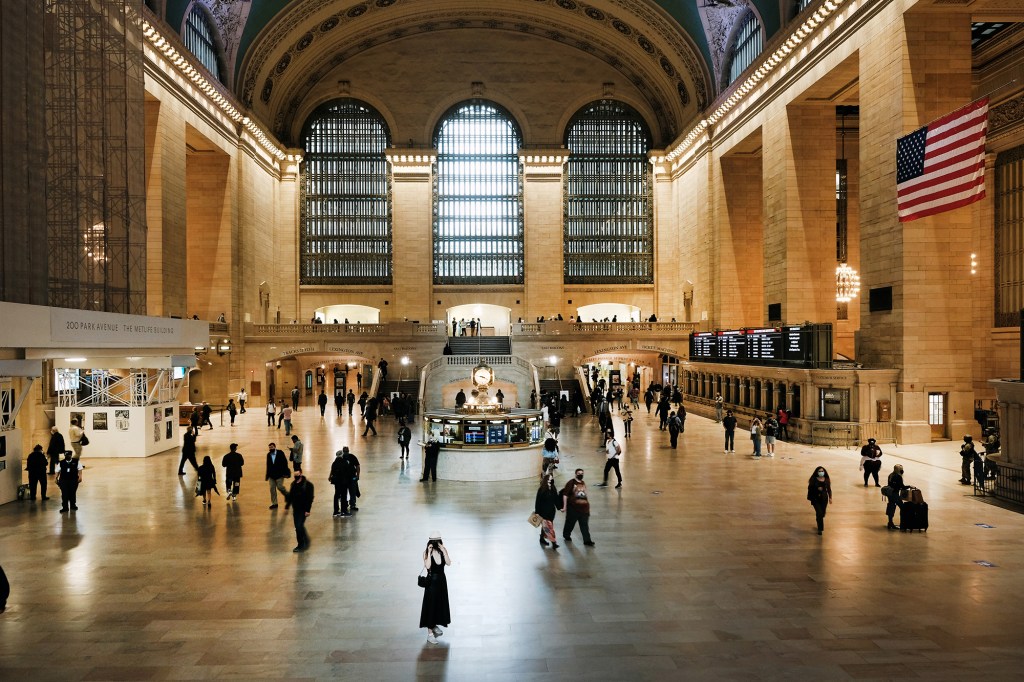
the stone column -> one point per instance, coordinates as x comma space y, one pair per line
543, 293
412, 234
800, 213
910, 75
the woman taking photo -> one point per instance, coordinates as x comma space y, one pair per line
548, 501
435, 610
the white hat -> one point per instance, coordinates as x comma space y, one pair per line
436, 535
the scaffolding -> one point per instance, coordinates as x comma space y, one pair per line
95, 195
101, 388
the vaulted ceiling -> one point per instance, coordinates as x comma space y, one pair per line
276, 52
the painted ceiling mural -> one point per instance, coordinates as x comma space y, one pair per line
673, 51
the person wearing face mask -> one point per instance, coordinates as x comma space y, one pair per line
577, 509
895, 486
819, 494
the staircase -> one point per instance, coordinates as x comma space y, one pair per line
480, 345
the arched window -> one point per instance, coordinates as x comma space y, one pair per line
609, 224
345, 226
747, 46
478, 198
199, 40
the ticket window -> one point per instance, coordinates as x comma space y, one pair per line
834, 404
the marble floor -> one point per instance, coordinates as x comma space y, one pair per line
706, 566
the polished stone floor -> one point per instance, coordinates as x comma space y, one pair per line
707, 566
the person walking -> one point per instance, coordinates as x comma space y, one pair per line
435, 610
719, 407
664, 407
363, 397
648, 398
404, 438
35, 464
382, 367
188, 451
350, 398
729, 423
547, 503
271, 412
75, 435
755, 436
819, 494
370, 415
549, 456
277, 471
430, 454
674, 425
232, 463
207, 411
339, 403
286, 416
242, 397
577, 508
207, 475
280, 413
232, 410
613, 451
301, 499
627, 420
55, 448
870, 461
295, 453
894, 487
5, 590
295, 398
321, 402
69, 477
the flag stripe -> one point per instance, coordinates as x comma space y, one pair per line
942, 166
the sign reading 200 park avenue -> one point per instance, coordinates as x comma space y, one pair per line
86, 326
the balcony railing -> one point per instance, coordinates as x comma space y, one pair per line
383, 329
588, 328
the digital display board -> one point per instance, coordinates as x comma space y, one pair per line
792, 346
475, 434
496, 432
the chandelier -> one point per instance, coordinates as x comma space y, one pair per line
847, 283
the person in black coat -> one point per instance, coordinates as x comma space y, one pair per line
69, 477
188, 451
321, 402
207, 480
896, 487
370, 415
35, 464
549, 500
5, 590
819, 494
339, 403
232, 463
404, 438
301, 499
55, 449
430, 453
277, 471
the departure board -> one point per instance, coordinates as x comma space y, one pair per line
791, 346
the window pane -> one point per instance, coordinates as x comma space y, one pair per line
345, 227
1009, 233
199, 41
478, 216
609, 234
748, 46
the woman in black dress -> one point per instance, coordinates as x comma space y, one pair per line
548, 501
207, 480
819, 494
435, 610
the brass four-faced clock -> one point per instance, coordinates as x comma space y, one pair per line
482, 376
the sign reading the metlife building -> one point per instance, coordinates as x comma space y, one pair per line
85, 327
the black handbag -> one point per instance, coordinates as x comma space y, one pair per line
84, 440
423, 579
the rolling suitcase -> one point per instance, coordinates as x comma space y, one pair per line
914, 516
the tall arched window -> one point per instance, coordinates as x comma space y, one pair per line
747, 46
609, 233
478, 199
345, 227
199, 40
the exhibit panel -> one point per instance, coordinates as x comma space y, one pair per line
123, 431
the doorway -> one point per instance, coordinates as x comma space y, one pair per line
937, 415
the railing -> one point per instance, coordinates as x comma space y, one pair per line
1003, 481
849, 434
220, 329
299, 329
473, 361
585, 328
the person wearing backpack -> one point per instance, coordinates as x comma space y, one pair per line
674, 425
614, 451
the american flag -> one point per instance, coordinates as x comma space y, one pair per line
942, 166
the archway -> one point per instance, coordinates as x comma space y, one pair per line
348, 314
494, 320
599, 312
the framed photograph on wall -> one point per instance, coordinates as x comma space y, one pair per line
99, 421
170, 429
157, 432
122, 419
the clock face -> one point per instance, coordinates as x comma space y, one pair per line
482, 376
